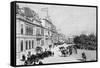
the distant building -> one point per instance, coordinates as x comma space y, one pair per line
50, 33
70, 40
61, 38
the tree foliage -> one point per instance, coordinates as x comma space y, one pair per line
86, 41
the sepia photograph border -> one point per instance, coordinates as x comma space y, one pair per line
13, 31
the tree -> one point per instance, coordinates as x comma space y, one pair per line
77, 40
92, 37
86, 41
92, 40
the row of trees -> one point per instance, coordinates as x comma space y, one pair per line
86, 41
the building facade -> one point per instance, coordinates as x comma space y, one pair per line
50, 33
31, 32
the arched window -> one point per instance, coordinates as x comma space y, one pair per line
38, 31
42, 31
26, 45
29, 30
21, 29
42, 42
29, 44
32, 43
22, 45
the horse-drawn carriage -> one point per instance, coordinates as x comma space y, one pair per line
35, 58
67, 49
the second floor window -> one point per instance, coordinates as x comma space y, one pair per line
42, 31
42, 42
38, 31
21, 29
29, 30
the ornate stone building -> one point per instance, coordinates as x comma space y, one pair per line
31, 32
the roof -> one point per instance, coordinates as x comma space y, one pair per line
27, 20
48, 21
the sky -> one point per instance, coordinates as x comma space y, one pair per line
69, 20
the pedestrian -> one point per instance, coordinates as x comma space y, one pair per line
28, 55
75, 49
23, 58
84, 56
40, 62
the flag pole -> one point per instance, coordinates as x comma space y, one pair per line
45, 10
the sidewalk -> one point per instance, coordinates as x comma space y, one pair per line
59, 59
90, 54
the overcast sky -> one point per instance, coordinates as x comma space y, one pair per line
69, 20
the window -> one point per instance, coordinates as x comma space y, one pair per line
42, 42
22, 45
21, 29
38, 31
42, 31
26, 30
32, 43
26, 45
29, 44
38, 42
29, 30
48, 33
